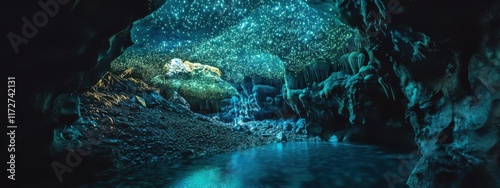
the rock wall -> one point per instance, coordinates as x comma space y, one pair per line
446, 66
57, 49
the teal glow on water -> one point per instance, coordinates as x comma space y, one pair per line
304, 164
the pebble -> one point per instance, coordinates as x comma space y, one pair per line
279, 136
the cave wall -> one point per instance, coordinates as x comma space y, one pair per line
435, 66
446, 65
56, 49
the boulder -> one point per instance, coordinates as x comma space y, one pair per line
201, 85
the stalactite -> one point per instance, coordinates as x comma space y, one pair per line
384, 86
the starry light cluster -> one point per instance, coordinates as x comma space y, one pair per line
181, 22
244, 38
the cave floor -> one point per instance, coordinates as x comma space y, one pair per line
127, 123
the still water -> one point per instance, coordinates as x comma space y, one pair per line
302, 164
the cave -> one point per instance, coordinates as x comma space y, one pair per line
251, 93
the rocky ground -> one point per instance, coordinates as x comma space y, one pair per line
124, 122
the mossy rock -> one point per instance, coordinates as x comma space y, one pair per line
193, 81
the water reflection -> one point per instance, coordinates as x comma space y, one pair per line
305, 164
